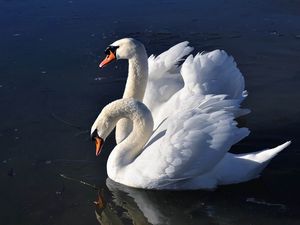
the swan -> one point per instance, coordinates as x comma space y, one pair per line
176, 124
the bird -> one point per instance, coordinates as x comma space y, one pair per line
177, 121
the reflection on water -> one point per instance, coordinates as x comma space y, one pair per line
124, 205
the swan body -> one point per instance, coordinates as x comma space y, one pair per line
176, 124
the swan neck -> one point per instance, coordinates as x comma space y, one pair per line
137, 75
128, 149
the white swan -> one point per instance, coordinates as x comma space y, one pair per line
179, 137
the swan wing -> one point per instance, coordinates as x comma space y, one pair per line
213, 73
190, 143
164, 78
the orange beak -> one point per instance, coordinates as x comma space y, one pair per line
99, 144
109, 58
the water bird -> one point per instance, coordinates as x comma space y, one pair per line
176, 121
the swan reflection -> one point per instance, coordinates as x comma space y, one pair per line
124, 205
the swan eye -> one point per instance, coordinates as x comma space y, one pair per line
112, 49
94, 135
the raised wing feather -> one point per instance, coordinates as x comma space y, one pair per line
164, 78
213, 73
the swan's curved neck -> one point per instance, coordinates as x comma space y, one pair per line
135, 87
137, 75
127, 150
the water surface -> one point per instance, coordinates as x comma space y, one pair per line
51, 90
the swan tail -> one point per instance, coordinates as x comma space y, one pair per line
236, 168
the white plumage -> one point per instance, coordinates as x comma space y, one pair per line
182, 138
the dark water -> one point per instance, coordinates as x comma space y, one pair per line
51, 90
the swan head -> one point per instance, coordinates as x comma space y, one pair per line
100, 130
125, 48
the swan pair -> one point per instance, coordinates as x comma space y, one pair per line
175, 124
